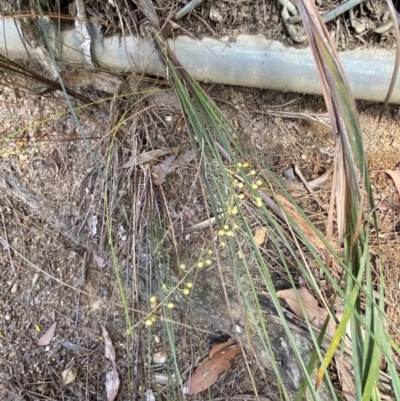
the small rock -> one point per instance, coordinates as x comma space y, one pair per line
162, 378
215, 14
160, 357
149, 396
289, 174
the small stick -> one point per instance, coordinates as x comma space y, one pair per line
189, 7
306, 184
82, 283
6, 243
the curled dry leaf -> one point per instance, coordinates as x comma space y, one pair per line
169, 165
395, 174
208, 372
69, 375
145, 157
100, 262
112, 379
259, 235
46, 338
99, 80
316, 315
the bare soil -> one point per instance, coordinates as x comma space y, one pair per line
55, 256
43, 264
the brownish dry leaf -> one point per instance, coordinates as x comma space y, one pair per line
208, 372
112, 379
300, 221
46, 338
100, 262
169, 165
316, 315
346, 379
259, 235
145, 157
395, 175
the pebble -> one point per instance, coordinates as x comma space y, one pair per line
289, 174
160, 357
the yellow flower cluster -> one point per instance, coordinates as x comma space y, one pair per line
254, 186
150, 320
153, 304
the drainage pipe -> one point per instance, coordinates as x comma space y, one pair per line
251, 60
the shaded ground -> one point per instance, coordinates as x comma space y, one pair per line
44, 243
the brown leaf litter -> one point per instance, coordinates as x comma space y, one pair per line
219, 361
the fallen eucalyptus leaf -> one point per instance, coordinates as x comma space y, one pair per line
46, 338
145, 157
100, 262
208, 372
395, 175
316, 315
169, 165
112, 379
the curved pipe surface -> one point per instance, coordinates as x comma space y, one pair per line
251, 60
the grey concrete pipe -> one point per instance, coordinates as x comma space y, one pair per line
249, 61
